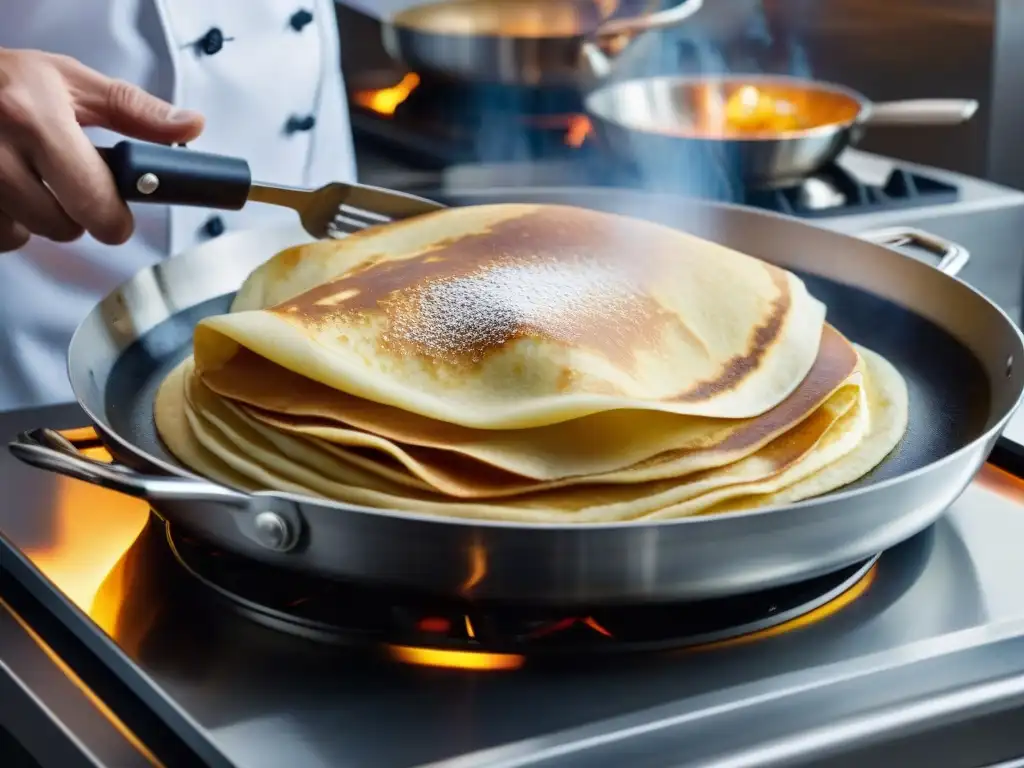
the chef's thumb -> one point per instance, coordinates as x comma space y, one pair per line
139, 115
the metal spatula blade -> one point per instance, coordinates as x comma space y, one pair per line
151, 173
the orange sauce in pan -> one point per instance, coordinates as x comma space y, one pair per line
753, 109
766, 111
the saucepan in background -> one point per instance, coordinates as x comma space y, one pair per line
651, 117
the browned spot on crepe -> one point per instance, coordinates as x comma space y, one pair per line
763, 337
541, 275
836, 360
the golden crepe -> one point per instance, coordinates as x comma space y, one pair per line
649, 445
889, 407
528, 363
210, 437
515, 316
325, 457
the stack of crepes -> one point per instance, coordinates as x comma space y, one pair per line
530, 363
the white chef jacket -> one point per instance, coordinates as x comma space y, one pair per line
271, 93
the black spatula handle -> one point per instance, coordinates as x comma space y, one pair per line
151, 173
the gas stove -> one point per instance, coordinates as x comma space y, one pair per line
420, 628
125, 643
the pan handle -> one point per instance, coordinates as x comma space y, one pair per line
152, 173
637, 25
50, 450
269, 520
920, 112
612, 37
952, 257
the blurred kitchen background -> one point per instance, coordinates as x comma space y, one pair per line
886, 49
961, 182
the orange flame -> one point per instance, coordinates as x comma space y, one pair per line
93, 529
577, 127
592, 623
385, 101
434, 625
578, 131
999, 481
477, 568
820, 613
468, 660
479, 661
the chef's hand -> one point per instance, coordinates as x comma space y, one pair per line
53, 183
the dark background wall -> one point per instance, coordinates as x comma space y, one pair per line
894, 49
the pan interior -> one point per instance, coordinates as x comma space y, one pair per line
142, 368
510, 18
748, 108
948, 388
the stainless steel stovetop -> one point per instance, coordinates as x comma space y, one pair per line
107, 651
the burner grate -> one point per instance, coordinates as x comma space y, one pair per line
903, 189
336, 612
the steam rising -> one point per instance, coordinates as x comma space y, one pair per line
725, 37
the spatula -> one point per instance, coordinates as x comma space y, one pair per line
152, 173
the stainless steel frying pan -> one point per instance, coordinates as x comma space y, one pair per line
522, 42
960, 354
646, 119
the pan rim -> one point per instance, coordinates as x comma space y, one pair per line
578, 38
396, 22
818, 131
516, 192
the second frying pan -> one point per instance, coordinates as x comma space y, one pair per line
763, 130
522, 42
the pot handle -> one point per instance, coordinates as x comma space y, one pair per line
952, 257
920, 112
669, 17
50, 450
612, 37
268, 519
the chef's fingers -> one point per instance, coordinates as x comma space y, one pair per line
38, 124
25, 199
12, 234
63, 157
82, 183
126, 108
